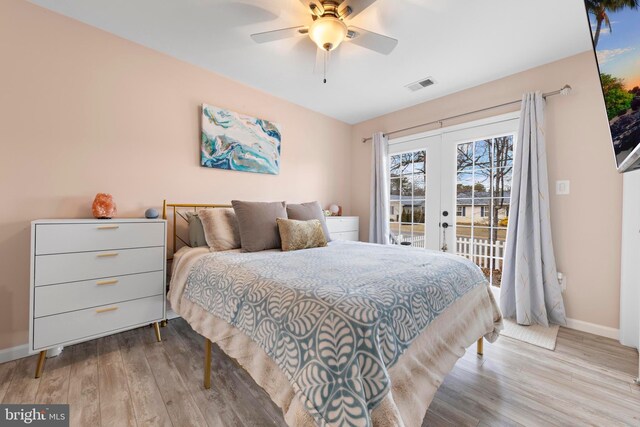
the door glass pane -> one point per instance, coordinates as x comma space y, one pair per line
394, 212
484, 177
418, 185
464, 208
419, 158
395, 187
418, 211
407, 163
481, 183
463, 241
394, 229
482, 154
481, 212
502, 178
465, 156
407, 211
406, 187
503, 151
405, 233
395, 165
465, 185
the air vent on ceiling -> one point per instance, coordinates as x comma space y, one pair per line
420, 84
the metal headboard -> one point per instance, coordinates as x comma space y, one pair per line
178, 212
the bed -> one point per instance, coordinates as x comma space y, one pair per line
348, 334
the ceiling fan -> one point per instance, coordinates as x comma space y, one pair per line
329, 29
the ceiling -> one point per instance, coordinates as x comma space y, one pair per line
460, 44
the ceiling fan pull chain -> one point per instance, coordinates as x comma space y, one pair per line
326, 59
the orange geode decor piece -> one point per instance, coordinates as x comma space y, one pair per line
103, 206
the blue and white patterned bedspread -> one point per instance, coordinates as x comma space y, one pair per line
334, 319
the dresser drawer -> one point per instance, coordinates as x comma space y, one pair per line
341, 224
61, 268
84, 324
346, 235
55, 299
64, 238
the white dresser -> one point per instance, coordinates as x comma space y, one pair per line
344, 227
91, 278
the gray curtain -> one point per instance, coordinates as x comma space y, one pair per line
529, 291
379, 211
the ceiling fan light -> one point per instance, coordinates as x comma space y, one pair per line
328, 32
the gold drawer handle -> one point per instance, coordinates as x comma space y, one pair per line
104, 310
107, 254
107, 282
107, 227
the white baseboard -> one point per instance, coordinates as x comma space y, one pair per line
13, 353
592, 328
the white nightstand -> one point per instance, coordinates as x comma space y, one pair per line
344, 227
91, 278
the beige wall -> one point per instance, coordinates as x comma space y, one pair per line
587, 223
83, 111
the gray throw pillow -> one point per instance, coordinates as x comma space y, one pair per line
309, 211
257, 224
196, 231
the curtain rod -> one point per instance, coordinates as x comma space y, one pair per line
566, 90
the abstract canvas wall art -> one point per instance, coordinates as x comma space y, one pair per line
238, 142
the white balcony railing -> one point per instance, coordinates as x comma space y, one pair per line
480, 251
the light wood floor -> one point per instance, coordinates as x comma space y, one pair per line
129, 379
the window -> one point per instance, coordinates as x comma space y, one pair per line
484, 173
460, 210
407, 198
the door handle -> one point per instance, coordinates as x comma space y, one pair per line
107, 227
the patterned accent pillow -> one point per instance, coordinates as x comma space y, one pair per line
301, 234
220, 228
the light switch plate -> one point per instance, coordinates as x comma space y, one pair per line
563, 188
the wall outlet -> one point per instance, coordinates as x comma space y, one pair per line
563, 188
562, 281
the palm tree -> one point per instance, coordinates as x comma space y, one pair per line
599, 9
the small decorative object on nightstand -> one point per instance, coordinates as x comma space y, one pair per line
344, 227
103, 206
91, 278
335, 210
151, 213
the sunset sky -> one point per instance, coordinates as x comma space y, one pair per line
619, 50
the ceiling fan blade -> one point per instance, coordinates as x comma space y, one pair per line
373, 41
285, 33
351, 8
314, 6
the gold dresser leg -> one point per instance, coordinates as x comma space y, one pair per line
480, 347
207, 363
163, 323
156, 326
40, 364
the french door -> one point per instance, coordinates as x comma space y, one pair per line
450, 190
